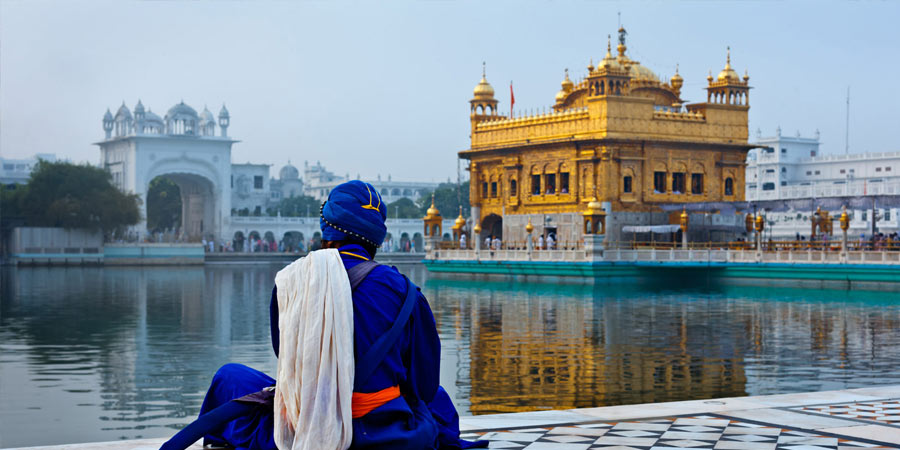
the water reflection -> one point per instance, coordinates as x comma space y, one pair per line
108, 353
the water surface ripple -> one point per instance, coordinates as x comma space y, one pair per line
92, 354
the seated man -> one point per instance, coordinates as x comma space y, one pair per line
401, 404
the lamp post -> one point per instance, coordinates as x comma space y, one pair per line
845, 224
760, 226
684, 228
529, 243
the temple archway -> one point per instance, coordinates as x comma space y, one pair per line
492, 225
293, 241
198, 213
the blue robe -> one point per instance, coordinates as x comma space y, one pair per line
423, 417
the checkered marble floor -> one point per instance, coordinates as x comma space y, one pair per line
687, 432
883, 412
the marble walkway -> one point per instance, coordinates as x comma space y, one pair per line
866, 418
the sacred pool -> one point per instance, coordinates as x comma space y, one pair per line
99, 354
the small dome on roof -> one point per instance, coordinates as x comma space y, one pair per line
139, 108
223, 112
152, 117
728, 74
181, 109
484, 89
206, 116
289, 172
123, 112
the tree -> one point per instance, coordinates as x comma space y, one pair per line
447, 199
163, 204
403, 208
297, 206
61, 194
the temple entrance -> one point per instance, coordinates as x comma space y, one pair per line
197, 205
492, 226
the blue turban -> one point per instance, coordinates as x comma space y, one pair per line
354, 211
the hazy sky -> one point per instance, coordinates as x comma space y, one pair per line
382, 87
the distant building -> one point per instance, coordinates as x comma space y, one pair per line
791, 167
318, 182
18, 171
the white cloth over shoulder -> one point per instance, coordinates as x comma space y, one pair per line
313, 395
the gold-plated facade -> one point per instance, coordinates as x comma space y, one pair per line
621, 135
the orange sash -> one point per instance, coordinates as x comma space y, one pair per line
364, 403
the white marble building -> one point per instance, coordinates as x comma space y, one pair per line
318, 182
787, 167
183, 146
18, 171
220, 199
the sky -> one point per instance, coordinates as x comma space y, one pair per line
378, 88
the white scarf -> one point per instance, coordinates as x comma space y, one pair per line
313, 398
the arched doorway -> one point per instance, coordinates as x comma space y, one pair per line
269, 243
197, 204
163, 209
293, 242
492, 226
238, 241
418, 243
404, 241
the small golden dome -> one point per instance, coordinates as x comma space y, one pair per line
677, 77
484, 89
728, 74
567, 84
594, 204
594, 207
529, 227
560, 96
432, 212
477, 229
460, 221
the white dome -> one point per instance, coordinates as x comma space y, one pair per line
181, 111
289, 172
123, 113
152, 117
206, 117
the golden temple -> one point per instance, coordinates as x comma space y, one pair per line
620, 135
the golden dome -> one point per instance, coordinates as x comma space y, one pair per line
639, 72
432, 212
567, 84
608, 61
728, 74
677, 77
484, 89
460, 221
477, 229
560, 96
594, 207
529, 227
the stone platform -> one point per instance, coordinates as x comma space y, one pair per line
866, 418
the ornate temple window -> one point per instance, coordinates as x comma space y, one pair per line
493, 189
729, 187
659, 182
626, 184
550, 183
513, 188
484, 189
535, 184
564, 183
697, 183
678, 182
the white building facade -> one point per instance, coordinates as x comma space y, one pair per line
18, 171
220, 200
787, 168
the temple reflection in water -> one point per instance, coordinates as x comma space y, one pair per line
130, 352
